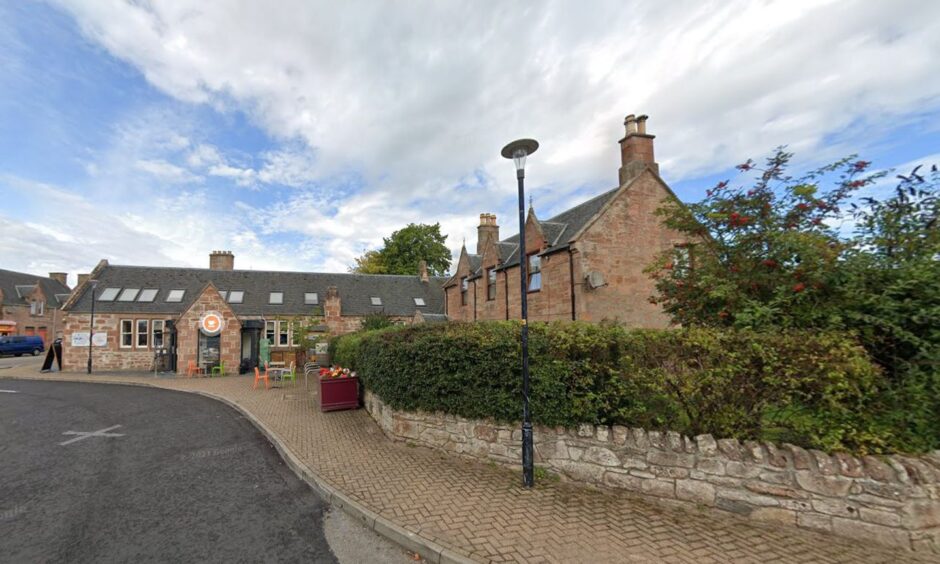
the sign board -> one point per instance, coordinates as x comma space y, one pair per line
211, 323
81, 339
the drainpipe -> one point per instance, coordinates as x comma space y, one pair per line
506, 292
574, 314
474, 300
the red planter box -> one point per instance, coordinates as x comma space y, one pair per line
339, 393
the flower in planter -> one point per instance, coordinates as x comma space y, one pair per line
336, 372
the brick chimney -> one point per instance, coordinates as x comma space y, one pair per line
60, 277
332, 308
636, 149
487, 232
221, 260
423, 271
82, 278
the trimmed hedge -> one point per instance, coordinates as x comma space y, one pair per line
809, 389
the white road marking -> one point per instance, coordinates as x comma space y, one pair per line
86, 434
8, 392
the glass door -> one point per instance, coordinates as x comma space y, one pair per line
208, 352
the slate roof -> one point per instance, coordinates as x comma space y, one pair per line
17, 285
397, 293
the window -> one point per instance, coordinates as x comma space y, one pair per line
276, 298
127, 333
157, 327
464, 286
223, 293
283, 334
535, 273
682, 261
270, 328
37, 308
175, 295
419, 301
108, 294
128, 294
311, 298
147, 295
376, 301
236, 296
143, 333
491, 284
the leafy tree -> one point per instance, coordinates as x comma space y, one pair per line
404, 249
772, 256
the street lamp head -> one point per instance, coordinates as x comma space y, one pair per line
93, 283
518, 150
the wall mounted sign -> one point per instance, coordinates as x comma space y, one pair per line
81, 339
211, 323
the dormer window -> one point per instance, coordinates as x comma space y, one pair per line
491, 284
534, 273
37, 308
464, 286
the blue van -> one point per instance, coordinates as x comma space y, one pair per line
18, 345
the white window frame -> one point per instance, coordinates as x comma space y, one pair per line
129, 333
153, 332
273, 331
533, 274
138, 334
283, 332
37, 308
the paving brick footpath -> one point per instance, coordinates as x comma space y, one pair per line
451, 508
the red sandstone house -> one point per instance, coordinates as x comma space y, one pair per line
583, 264
30, 304
141, 311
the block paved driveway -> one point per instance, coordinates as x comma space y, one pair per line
481, 511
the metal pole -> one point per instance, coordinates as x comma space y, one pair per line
528, 472
91, 327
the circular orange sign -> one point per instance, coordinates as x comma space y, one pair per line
211, 323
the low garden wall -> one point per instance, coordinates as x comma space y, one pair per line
892, 500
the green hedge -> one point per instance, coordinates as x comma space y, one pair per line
810, 389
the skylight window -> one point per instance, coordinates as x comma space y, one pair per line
128, 294
108, 294
276, 298
419, 301
223, 293
175, 295
147, 295
376, 301
311, 298
236, 296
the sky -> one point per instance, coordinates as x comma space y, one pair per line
297, 133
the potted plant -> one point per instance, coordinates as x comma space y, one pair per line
339, 389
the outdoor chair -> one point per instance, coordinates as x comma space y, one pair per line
258, 376
290, 374
218, 369
192, 369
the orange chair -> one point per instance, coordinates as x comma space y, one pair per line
193, 369
258, 376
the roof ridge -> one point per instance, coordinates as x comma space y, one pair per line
261, 271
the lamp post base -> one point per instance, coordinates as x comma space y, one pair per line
528, 469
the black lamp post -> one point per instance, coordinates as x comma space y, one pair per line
518, 151
91, 327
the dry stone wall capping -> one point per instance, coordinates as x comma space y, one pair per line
892, 500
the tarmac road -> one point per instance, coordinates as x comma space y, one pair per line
169, 477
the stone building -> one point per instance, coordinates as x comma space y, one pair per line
142, 310
585, 263
31, 305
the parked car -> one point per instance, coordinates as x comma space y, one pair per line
18, 345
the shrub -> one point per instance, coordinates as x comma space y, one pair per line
807, 388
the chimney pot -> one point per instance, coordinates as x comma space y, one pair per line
636, 149
423, 271
487, 232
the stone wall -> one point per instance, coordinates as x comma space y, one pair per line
112, 356
892, 500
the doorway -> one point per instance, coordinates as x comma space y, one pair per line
209, 352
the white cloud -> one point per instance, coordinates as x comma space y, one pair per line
414, 100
